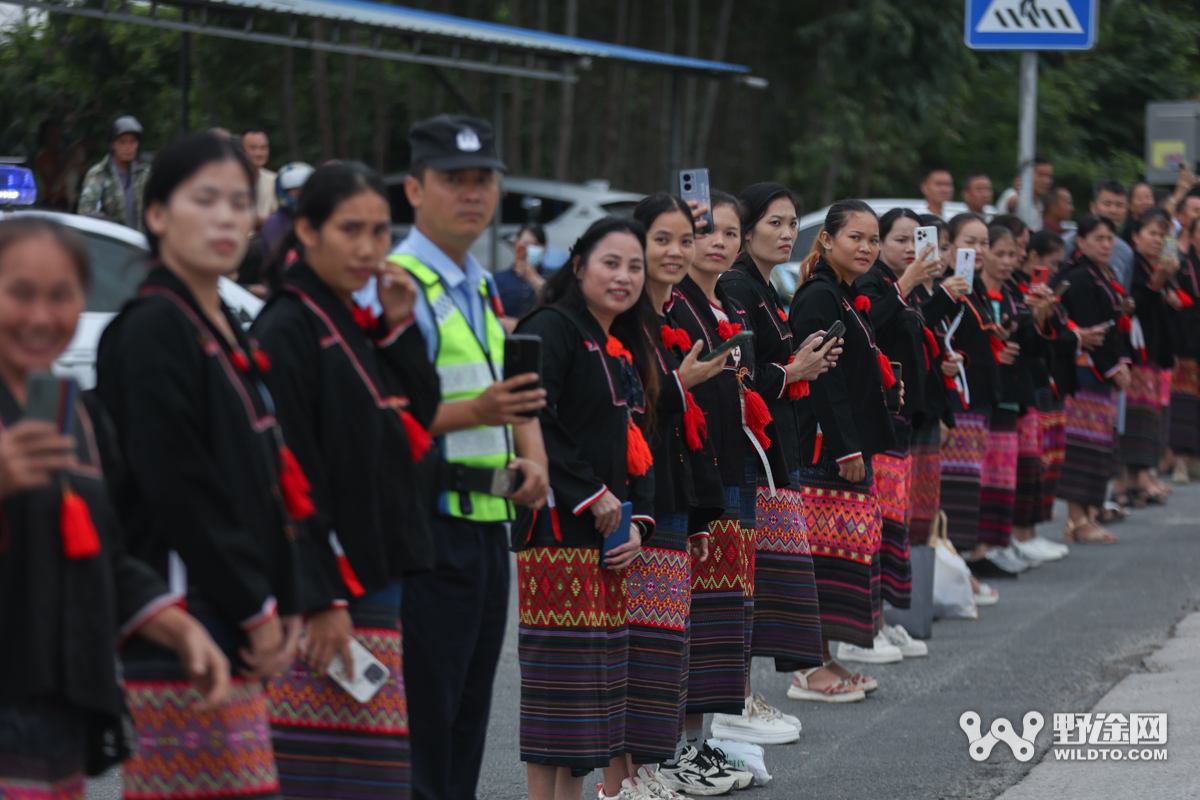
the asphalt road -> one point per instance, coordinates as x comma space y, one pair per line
1060, 638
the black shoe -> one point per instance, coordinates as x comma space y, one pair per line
992, 567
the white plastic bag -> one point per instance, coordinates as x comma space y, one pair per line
744, 756
953, 597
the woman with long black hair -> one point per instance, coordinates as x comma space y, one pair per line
355, 394
210, 493
1094, 298
69, 593
601, 390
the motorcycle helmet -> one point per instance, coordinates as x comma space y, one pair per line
292, 175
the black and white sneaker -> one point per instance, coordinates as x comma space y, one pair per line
696, 774
742, 778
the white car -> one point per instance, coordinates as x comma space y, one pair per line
119, 257
565, 210
786, 275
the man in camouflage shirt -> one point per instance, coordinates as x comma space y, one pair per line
112, 189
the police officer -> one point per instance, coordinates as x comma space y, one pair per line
113, 189
454, 616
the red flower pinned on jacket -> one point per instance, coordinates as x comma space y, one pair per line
727, 330
782, 314
676, 337
995, 294
365, 318
862, 304
239, 361
1185, 299
260, 360
75, 522
1124, 324
617, 350
695, 426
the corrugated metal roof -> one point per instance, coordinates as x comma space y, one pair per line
442, 26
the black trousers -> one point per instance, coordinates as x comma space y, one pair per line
454, 621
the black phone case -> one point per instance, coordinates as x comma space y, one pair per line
523, 354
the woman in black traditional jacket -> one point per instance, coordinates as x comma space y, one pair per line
1094, 298
842, 427
68, 589
573, 638
210, 490
786, 615
1185, 381
355, 395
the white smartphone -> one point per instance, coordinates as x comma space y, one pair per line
369, 673
924, 237
965, 264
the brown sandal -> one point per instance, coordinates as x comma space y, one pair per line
1086, 531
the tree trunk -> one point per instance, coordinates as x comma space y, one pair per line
710, 99
669, 83
321, 99
689, 96
379, 136
616, 94
537, 140
516, 116
566, 112
345, 138
289, 104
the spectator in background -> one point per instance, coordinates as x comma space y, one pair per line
1186, 210
113, 189
937, 186
520, 285
1108, 201
257, 148
1043, 179
1141, 200
1059, 208
288, 183
977, 194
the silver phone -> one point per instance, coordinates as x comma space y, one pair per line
923, 237
964, 266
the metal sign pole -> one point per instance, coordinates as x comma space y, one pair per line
1027, 139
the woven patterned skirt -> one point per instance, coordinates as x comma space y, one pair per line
962, 472
893, 471
1185, 407
1140, 445
42, 745
573, 645
1027, 507
787, 622
717, 663
925, 483
329, 745
749, 524
1089, 460
1054, 443
658, 595
1164, 406
999, 479
845, 529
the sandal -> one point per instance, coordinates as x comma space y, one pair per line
864, 682
1085, 531
1112, 512
841, 692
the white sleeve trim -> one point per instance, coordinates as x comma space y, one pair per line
579, 509
147, 613
269, 607
783, 389
394, 334
850, 457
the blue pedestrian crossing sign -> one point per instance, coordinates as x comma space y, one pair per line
1031, 24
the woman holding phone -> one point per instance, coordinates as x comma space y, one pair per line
1094, 299
69, 592
601, 389
210, 493
355, 394
842, 428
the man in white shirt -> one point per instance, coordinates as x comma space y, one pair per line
1043, 179
977, 194
257, 148
937, 187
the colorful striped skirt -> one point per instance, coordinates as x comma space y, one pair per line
42, 750
893, 471
787, 622
329, 745
1164, 405
1053, 415
925, 483
573, 646
1027, 505
717, 663
999, 479
1140, 445
658, 596
749, 524
1089, 460
962, 472
845, 530
1185, 407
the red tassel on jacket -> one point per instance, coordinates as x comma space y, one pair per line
796, 389
885, 369
1124, 324
637, 452
997, 348
418, 438
862, 304
948, 382
782, 314
695, 426
727, 330
295, 486
757, 417
239, 361
344, 569
1185, 299
78, 531
817, 446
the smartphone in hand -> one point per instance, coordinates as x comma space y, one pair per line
964, 265
522, 355
694, 185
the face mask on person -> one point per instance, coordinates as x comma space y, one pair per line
533, 254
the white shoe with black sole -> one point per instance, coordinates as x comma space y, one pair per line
716, 755
696, 775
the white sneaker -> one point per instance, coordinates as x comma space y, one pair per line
750, 726
696, 774
909, 647
1020, 557
652, 785
1030, 551
628, 791
742, 778
884, 652
1043, 549
768, 711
